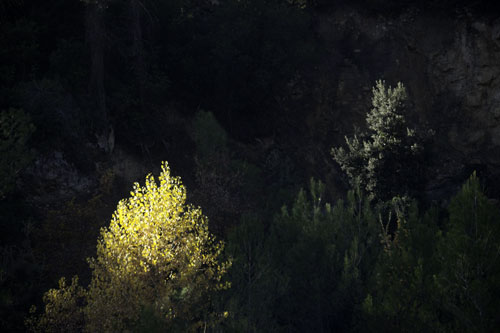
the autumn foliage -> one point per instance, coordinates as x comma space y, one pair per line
157, 257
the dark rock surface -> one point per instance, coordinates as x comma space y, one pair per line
450, 65
449, 62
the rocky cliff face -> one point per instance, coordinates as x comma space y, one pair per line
450, 65
449, 62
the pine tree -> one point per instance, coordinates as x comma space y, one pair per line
401, 293
469, 258
386, 160
306, 273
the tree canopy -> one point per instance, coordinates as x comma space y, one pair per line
156, 257
384, 160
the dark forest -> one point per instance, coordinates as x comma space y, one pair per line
249, 166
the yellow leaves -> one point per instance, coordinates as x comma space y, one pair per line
61, 310
155, 246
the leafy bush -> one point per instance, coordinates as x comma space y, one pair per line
63, 310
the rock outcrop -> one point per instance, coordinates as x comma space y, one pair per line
450, 65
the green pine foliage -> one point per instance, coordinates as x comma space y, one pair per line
386, 160
137, 73
439, 275
339, 267
253, 278
307, 272
468, 255
401, 287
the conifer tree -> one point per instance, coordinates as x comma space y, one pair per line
385, 160
306, 273
400, 299
469, 260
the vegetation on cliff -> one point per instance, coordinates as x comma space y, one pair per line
245, 100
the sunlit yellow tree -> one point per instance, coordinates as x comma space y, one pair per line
156, 260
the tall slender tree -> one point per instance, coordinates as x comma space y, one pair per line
385, 160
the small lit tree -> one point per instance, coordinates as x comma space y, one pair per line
385, 160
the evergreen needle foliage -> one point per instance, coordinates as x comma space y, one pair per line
385, 161
440, 279
469, 259
306, 273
